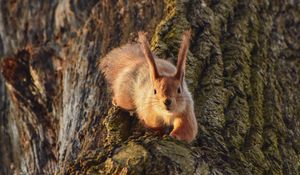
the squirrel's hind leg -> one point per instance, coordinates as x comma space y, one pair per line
114, 102
124, 102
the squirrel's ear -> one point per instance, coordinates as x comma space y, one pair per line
148, 54
181, 60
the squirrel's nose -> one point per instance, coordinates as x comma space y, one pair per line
167, 102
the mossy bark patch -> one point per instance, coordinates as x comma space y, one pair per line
242, 69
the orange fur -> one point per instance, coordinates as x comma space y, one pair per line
185, 127
153, 87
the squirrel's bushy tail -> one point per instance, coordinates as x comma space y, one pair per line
119, 59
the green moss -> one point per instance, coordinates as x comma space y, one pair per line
131, 158
117, 124
166, 39
177, 153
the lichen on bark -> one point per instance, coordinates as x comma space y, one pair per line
242, 69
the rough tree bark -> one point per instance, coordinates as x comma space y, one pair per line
243, 70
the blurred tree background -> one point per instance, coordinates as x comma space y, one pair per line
243, 70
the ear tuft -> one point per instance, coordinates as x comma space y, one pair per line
182, 54
142, 37
148, 54
186, 37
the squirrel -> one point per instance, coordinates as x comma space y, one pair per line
152, 87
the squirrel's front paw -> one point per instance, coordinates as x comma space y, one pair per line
182, 135
183, 130
174, 135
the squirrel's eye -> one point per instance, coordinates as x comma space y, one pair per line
154, 91
179, 90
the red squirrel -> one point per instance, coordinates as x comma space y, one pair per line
153, 87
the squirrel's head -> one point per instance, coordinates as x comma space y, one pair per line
168, 94
168, 91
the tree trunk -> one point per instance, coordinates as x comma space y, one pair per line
243, 69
